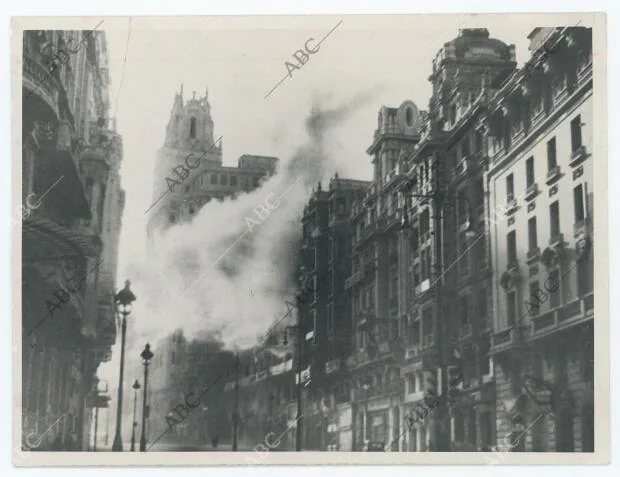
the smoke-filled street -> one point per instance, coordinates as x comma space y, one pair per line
329, 243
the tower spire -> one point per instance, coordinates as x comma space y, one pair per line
207, 93
181, 91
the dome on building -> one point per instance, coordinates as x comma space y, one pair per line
475, 43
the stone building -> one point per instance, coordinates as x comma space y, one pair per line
71, 219
376, 288
446, 237
540, 128
325, 264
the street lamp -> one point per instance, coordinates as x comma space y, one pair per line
146, 356
123, 300
135, 387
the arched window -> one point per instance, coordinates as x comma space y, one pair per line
192, 128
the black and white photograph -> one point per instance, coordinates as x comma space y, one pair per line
267, 237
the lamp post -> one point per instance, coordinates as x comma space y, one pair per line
236, 403
135, 387
146, 356
123, 300
441, 201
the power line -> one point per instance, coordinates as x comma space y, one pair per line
123, 73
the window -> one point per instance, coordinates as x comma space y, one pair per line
213, 178
256, 181
552, 285
552, 160
575, 133
554, 222
479, 192
416, 332
409, 116
223, 179
464, 309
423, 272
173, 357
579, 203
511, 243
533, 303
330, 319
453, 114
192, 128
479, 141
584, 276
424, 224
529, 171
531, 233
171, 218
233, 180
191, 209
411, 383
465, 148
510, 187
482, 304
414, 240
511, 308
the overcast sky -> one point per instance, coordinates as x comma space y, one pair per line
387, 59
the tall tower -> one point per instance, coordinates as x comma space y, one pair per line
189, 149
190, 125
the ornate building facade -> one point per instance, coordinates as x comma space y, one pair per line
71, 220
540, 126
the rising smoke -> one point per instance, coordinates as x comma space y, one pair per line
227, 274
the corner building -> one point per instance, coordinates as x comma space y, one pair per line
540, 126
71, 222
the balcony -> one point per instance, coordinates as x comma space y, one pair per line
511, 204
531, 191
556, 241
564, 316
412, 352
578, 156
38, 79
533, 255
506, 339
352, 280
581, 227
553, 174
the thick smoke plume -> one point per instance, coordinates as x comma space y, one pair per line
227, 274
